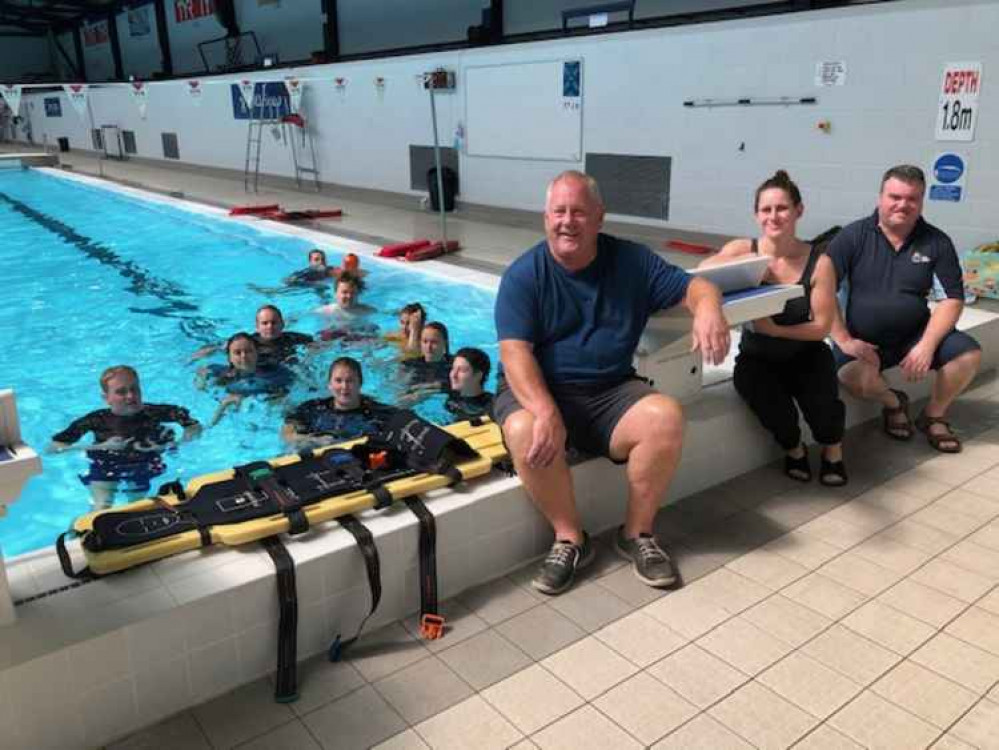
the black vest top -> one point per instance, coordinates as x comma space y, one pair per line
795, 312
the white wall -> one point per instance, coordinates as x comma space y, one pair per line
634, 86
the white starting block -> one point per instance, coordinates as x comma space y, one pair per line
664, 354
18, 463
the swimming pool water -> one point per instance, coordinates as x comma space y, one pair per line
94, 278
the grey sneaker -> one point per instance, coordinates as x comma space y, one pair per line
650, 562
559, 569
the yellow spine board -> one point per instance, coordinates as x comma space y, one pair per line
485, 439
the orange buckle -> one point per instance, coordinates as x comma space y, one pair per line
378, 460
431, 627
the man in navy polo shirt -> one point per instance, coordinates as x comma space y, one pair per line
569, 313
889, 260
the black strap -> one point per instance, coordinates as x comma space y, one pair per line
366, 543
428, 555
297, 522
285, 684
173, 488
383, 498
67, 563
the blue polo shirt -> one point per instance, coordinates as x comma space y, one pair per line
887, 295
585, 325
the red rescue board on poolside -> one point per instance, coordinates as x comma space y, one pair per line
401, 248
254, 210
303, 215
432, 251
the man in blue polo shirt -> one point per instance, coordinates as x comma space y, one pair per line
569, 313
889, 260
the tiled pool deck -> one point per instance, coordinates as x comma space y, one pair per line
812, 618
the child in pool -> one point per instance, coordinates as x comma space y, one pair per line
130, 437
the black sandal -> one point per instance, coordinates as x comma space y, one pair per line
798, 469
893, 427
832, 473
945, 442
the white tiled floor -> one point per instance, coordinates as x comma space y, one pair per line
891, 646
866, 617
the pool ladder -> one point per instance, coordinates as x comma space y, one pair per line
303, 147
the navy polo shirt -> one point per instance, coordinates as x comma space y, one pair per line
585, 325
887, 287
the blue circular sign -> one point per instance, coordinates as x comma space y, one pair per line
948, 168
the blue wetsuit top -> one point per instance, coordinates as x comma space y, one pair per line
420, 372
319, 416
585, 325
267, 380
281, 350
887, 287
468, 407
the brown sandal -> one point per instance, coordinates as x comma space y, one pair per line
946, 442
893, 427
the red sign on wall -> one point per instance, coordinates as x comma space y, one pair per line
191, 10
96, 34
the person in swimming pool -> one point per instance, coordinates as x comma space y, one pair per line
275, 345
431, 372
468, 398
130, 437
317, 272
411, 319
345, 414
348, 315
244, 376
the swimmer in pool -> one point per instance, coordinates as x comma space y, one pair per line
345, 414
348, 316
411, 319
244, 376
275, 345
130, 437
467, 398
317, 272
431, 372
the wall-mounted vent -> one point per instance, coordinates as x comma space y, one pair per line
632, 185
128, 140
421, 161
95, 136
170, 148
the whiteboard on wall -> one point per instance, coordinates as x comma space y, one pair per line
529, 110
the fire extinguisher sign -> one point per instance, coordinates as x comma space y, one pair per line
957, 112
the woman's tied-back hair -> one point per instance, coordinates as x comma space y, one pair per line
350, 363
237, 337
477, 358
413, 307
782, 181
113, 372
435, 325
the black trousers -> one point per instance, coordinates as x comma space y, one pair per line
774, 389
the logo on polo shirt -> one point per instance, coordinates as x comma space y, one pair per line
918, 257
